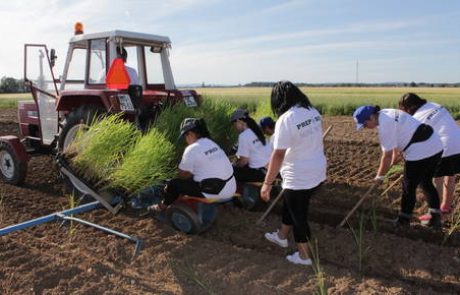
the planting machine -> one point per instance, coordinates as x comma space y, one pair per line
95, 81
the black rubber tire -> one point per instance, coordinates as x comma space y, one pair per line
82, 115
19, 167
184, 219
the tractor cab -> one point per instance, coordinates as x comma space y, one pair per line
107, 72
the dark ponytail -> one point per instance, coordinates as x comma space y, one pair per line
255, 128
411, 102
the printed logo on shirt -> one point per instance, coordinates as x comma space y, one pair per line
308, 122
208, 152
434, 112
255, 141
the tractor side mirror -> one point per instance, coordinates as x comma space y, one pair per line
53, 57
156, 49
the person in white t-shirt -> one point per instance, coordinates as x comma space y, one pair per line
253, 151
268, 128
421, 148
299, 156
202, 160
445, 126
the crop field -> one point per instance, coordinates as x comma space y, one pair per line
366, 256
341, 100
10, 100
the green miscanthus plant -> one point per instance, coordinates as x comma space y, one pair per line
148, 163
99, 150
217, 115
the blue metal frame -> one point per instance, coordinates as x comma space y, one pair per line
49, 218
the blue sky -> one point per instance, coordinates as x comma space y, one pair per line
233, 42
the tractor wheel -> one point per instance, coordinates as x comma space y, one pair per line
78, 119
12, 167
183, 218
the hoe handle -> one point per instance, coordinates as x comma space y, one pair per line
270, 207
358, 204
327, 131
392, 185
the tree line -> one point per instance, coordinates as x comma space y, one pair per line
12, 85
387, 84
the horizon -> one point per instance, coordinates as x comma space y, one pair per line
240, 42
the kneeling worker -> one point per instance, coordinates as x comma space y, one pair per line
204, 171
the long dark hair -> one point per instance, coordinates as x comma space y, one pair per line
201, 129
411, 102
286, 95
255, 128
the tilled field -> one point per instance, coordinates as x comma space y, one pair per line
233, 256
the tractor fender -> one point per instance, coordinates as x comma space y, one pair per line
70, 101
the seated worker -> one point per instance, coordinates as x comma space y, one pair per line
268, 127
253, 152
132, 73
204, 171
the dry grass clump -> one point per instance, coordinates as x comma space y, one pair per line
100, 150
149, 162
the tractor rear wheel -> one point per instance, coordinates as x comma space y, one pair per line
13, 169
78, 119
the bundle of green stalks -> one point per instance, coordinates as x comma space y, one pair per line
149, 162
216, 114
100, 150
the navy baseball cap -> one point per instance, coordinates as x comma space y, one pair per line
362, 114
239, 114
266, 122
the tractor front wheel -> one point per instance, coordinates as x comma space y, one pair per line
13, 169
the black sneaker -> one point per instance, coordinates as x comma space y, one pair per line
435, 221
401, 221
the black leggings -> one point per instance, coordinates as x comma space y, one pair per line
295, 212
246, 174
415, 173
178, 186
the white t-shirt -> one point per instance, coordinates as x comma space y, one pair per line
205, 159
442, 122
396, 129
251, 147
299, 132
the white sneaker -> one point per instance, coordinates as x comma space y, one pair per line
295, 258
274, 238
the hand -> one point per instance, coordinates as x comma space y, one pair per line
265, 192
379, 179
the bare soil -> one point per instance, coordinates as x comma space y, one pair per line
233, 256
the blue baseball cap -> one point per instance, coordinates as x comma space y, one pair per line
266, 122
362, 114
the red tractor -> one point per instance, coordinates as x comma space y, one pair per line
108, 72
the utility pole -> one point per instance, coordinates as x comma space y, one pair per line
357, 72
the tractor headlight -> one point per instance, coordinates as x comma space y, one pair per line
125, 102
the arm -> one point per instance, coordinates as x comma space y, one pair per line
385, 164
274, 167
397, 157
242, 161
182, 174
